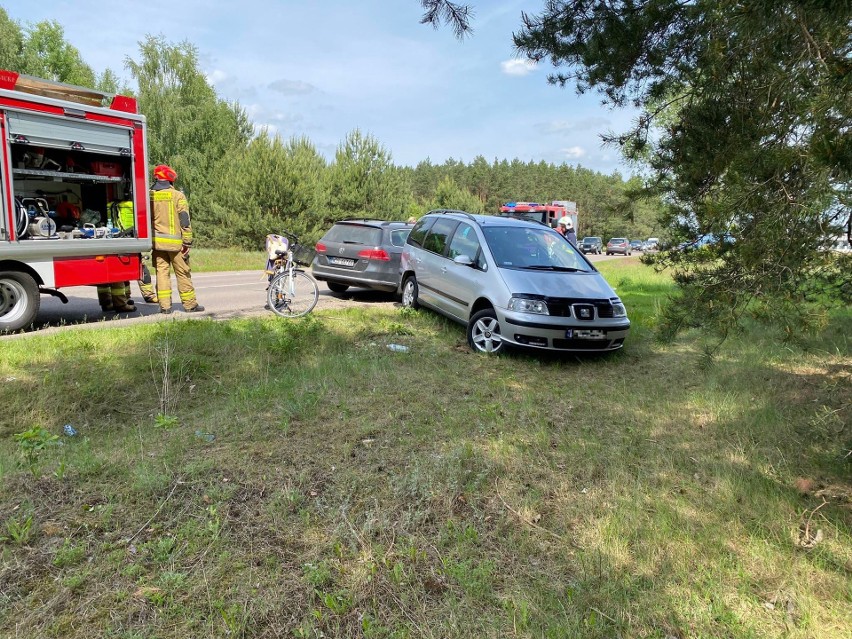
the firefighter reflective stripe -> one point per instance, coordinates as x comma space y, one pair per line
187, 296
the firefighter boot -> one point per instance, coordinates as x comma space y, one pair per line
121, 298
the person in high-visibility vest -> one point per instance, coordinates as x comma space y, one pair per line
122, 215
115, 297
172, 240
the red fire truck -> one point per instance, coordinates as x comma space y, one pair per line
73, 192
548, 214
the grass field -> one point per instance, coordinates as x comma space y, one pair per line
209, 260
268, 478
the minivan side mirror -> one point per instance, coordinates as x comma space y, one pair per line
463, 259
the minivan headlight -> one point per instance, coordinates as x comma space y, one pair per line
526, 305
618, 310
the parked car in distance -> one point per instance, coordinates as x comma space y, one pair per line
362, 253
652, 244
705, 240
620, 245
591, 245
636, 245
511, 283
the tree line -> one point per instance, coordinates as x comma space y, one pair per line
244, 182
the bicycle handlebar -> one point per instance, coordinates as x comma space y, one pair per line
293, 236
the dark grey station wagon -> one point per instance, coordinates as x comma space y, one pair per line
362, 253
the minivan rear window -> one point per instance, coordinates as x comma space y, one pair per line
436, 241
418, 233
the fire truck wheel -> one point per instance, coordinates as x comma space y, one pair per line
19, 300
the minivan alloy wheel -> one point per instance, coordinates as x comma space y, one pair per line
483, 332
409, 293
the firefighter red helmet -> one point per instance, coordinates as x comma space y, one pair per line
164, 172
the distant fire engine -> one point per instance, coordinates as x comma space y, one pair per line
548, 214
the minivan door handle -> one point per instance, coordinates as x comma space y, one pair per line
443, 269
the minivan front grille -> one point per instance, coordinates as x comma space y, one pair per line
561, 307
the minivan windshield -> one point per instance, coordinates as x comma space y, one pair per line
534, 249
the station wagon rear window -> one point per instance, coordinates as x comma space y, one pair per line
354, 234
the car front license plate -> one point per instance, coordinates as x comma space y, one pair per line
341, 261
586, 334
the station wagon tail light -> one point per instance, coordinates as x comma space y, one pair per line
375, 254
320, 247
526, 305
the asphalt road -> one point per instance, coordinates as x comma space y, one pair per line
224, 295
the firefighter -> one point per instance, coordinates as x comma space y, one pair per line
172, 241
565, 227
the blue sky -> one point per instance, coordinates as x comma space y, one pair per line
321, 68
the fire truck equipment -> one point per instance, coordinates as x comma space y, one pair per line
40, 227
22, 220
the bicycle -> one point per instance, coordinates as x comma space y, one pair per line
291, 292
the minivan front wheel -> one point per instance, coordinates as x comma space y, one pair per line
483, 333
409, 293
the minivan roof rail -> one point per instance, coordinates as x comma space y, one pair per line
371, 220
445, 211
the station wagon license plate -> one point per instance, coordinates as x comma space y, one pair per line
341, 261
584, 334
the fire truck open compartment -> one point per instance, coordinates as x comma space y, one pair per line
66, 175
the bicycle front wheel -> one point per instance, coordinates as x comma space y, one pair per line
292, 294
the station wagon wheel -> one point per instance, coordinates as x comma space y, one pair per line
334, 287
483, 333
409, 293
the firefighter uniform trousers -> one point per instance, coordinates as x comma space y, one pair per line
115, 295
163, 261
146, 286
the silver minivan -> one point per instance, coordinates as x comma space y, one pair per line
511, 282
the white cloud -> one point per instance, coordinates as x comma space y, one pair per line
292, 87
271, 130
517, 67
216, 76
568, 126
574, 152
